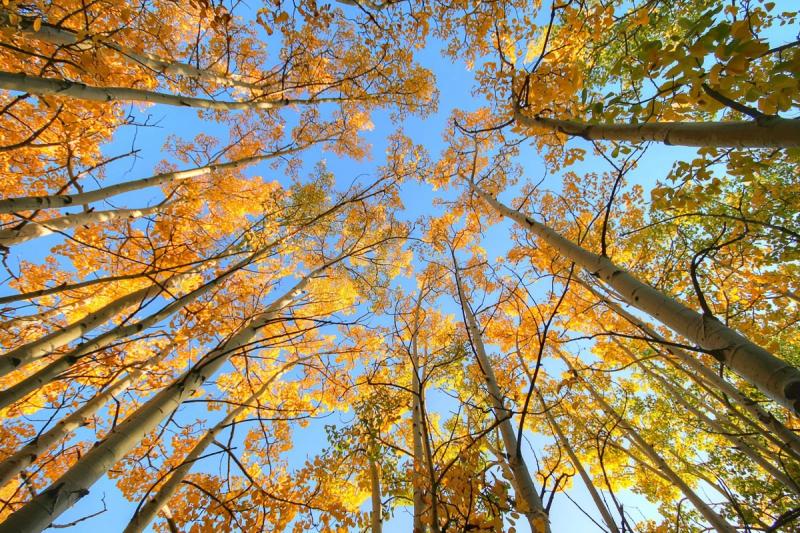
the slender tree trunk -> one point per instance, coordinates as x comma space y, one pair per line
35, 229
54, 369
376, 519
429, 464
772, 132
737, 442
775, 378
73, 89
67, 287
25, 456
38, 513
533, 510
147, 512
713, 518
790, 441
167, 512
22, 355
40, 318
64, 37
11, 205
416, 423
576, 463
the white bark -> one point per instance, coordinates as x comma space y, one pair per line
774, 377
737, 442
34, 229
147, 512
25, 456
713, 518
73, 89
376, 520
526, 492
22, 355
789, 440
38, 513
576, 463
64, 37
50, 372
771, 132
27, 203
416, 423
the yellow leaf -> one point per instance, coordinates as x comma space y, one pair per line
534, 49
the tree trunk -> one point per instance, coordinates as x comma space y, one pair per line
576, 463
54, 369
25, 456
38, 513
376, 520
710, 515
789, 440
774, 377
63, 37
21, 356
66, 287
34, 229
715, 425
147, 512
416, 423
526, 492
26, 203
73, 89
770, 132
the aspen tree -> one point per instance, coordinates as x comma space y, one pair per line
25, 456
576, 463
713, 518
77, 481
35, 229
22, 355
10, 205
742, 445
526, 492
146, 513
788, 439
772, 132
775, 378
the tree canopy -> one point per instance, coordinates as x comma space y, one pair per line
400, 265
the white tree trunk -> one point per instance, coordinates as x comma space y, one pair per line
713, 518
576, 463
789, 440
22, 355
774, 377
737, 442
73, 89
28, 203
38, 513
416, 423
771, 132
147, 512
25, 456
533, 508
35, 229
376, 520
63, 37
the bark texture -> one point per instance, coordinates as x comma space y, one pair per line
35, 229
774, 377
533, 509
38, 513
771, 132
